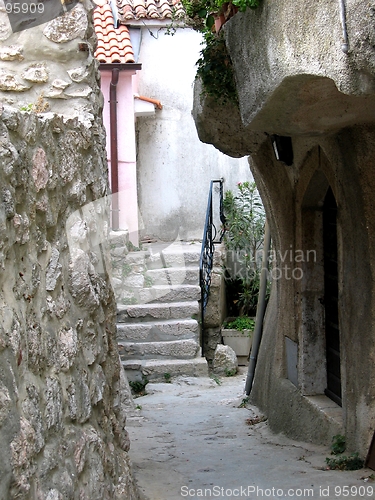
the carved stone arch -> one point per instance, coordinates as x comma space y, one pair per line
312, 366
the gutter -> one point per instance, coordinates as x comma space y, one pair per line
120, 66
345, 44
115, 68
114, 146
260, 311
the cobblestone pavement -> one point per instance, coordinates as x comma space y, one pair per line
191, 439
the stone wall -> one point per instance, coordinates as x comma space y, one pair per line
62, 417
216, 305
62, 391
293, 79
50, 66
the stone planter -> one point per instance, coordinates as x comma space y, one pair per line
240, 342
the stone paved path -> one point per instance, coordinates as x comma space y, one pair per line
190, 439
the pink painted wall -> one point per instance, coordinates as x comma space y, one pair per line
127, 196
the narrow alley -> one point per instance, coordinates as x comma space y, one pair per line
195, 438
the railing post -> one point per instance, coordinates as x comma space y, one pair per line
207, 253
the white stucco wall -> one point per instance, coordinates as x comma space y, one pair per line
174, 168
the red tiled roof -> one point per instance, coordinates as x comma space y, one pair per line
114, 45
149, 9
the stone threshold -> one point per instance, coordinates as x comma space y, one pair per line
327, 407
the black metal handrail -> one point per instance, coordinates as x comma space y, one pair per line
207, 251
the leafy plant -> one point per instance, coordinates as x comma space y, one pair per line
352, 462
244, 233
138, 386
241, 323
167, 377
39, 106
200, 14
230, 373
27, 107
338, 444
244, 4
244, 402
215, 69
214, 66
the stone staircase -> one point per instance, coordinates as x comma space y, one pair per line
157, 291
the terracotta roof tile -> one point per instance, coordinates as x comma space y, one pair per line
148, 9
114, 44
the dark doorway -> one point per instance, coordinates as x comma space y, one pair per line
333, 390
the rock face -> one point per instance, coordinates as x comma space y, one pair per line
61, 412
294, 80
63, 395
51, 66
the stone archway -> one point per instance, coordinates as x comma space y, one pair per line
319, 359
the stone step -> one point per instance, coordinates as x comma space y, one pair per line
118, 239
156, 311
187, 255
177, 349
159, 370
169, 293
159, 331
174, 276
178, 254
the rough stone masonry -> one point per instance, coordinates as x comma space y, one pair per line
62, 397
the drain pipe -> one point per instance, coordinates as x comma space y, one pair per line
261, 306
114, 147
345, 44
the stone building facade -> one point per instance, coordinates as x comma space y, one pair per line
62, 396
300, 86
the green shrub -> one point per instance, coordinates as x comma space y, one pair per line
214, 65
338, 444
215, 70
244, 4
241, 323
138, 386
244, 234
352, 462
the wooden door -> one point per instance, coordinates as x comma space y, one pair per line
333, 390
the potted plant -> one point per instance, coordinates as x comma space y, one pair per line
238, 333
